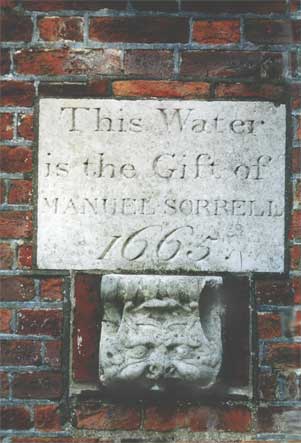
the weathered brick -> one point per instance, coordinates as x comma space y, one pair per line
295, 6
297, 192
61, 28
274, 292
25, 256
6, 126
297, 129
47, 418
283, 355
4, 61
235, 7
5, 320
295, 257
226, 64
295, 226
52, 289
2, 191
40, 322
15, 28
258, 90
20, 352
15, 224
56, 5
296, 286
16, 93
87, 327
276, 419
172, 416
295, 94
38, 385
106, 417
20, 192
15, 159
4, 385
268, 31
234, 419
15, 417
149, 88
216, 31
296, 161
139, 29
53, 354
268, 386
16, 288
64, 440
6, 256
94, 88
269, 325
153, 5
25, 126
65, 61
148, 63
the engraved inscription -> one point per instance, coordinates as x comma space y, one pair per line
161, 185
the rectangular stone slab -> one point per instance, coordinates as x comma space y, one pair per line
161, 185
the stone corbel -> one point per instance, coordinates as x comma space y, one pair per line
160, 333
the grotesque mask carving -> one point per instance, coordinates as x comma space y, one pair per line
160, 332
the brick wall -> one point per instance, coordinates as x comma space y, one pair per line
186, 49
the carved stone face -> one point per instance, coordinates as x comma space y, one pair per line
156, 339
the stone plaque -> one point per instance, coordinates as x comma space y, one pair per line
161, 185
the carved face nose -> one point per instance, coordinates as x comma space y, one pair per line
156, 370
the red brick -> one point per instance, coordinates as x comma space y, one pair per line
227, 64
86, 328
53, 354
47, 418
38, 385
154, 5
56, 5
268, 31
139, 29
16, 93
20, 353
269, 325
297, 129
4, 61
65, 61
40, 322
15, 224
52, 289
4, 385
274, 292
2, 191
25, 256
5, 320
267, 386
283, 355
170, 417
216, 31
296, 161
295, 94
295, 257
6, 256
235, 7
15, 159
20, 192
15, 417
94, 88
15, 28
25, 126
296, 285
16, 288
106, 417
149, 88
148, 63
61, 28
6, 126
234, 419
245, 90
295, 226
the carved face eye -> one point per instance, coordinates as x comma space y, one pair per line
183, 350
139, 351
